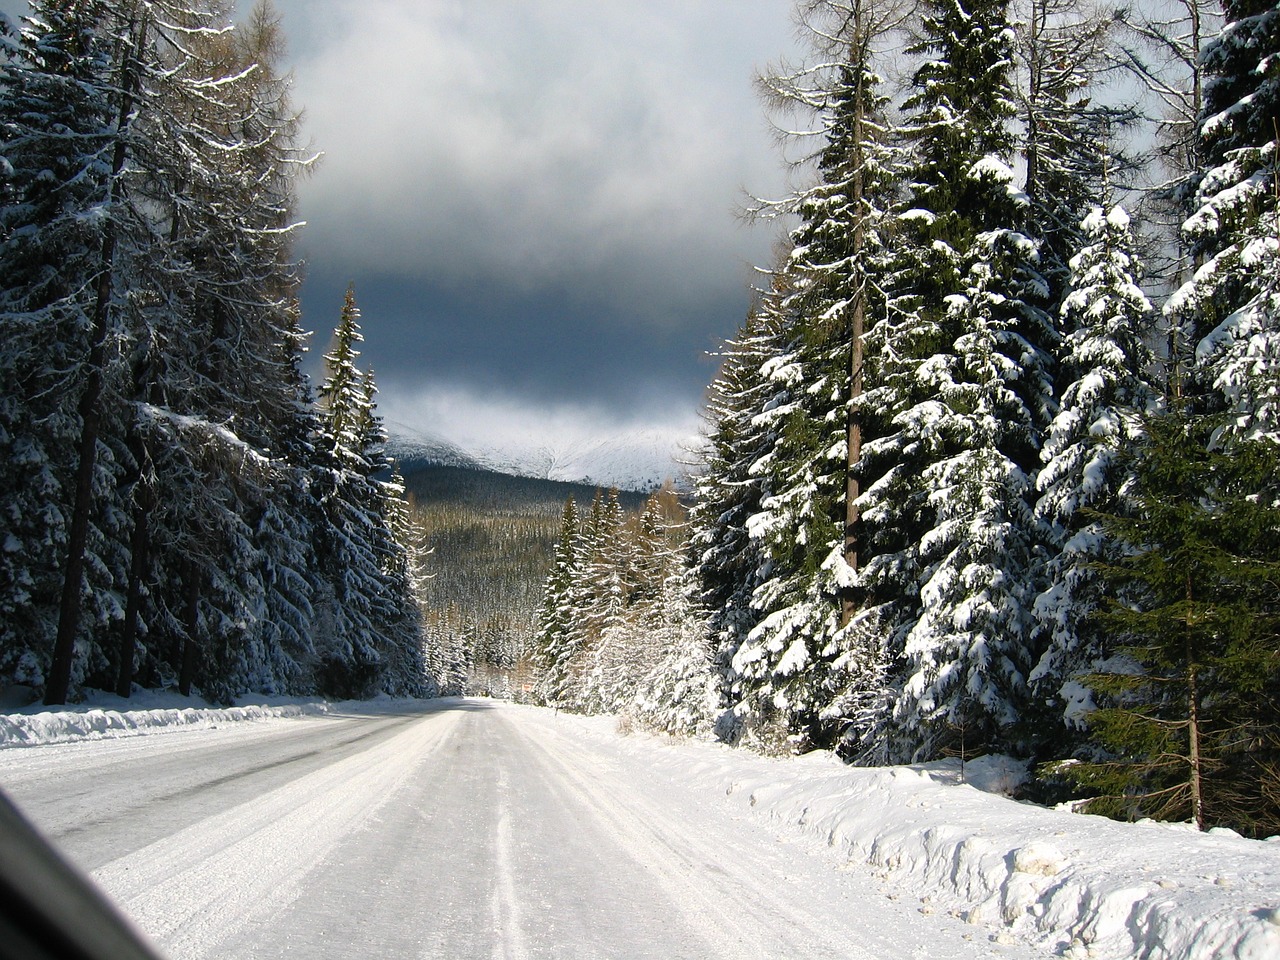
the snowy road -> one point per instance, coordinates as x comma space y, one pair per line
473, 829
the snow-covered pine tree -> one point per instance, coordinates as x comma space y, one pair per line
599, 598
57, 131
729, 487
349, 541
554, 637
221, 345
405, 671
629, 643
678, 690
967, 282
789, 667
246, 343
782, 679
181, 247
1233, 300
970, 650
1105, 360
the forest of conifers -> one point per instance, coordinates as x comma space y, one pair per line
977, 480
178, 510
991, 464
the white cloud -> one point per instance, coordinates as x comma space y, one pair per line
477, 421
555, 144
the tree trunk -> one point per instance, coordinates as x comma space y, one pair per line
1194, 758
90, 409
1193, 750
191, 623
139, 546
857, 323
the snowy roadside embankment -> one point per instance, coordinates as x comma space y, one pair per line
1080, 886
108, 717
83, 722
1084, 885
67, 726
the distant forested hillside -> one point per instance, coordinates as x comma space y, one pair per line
487, 491
491, 538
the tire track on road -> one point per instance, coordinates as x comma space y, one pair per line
201, 885
719, 888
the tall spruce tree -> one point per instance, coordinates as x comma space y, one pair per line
981, 386
1105, 360
789, 670
349, 542
1233, 300
1188, 717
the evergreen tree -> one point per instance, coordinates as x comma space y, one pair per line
1233, 299
728, 564
223, 348
978, 389
554, 639
1189, 718
1105, 361
599, 597
678, 690
350, 634
788, 670
969, 652
175, 318
405, 671
57, 117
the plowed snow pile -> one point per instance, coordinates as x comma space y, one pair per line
1081, 886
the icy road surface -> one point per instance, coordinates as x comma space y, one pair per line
469, 829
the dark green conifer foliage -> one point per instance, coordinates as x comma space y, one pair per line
1189, 715
56, 113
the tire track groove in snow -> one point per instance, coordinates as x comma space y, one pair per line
204, 787
194, 889
720, 891
510, 944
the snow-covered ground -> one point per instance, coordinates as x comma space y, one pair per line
1081, 886
758, 856
105, 716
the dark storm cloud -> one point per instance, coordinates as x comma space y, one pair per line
544, 347
536, 199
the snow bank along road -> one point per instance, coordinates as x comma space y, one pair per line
460, 829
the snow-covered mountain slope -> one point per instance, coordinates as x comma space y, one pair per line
410, 448
632, 460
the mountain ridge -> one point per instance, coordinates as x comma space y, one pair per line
639, 461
